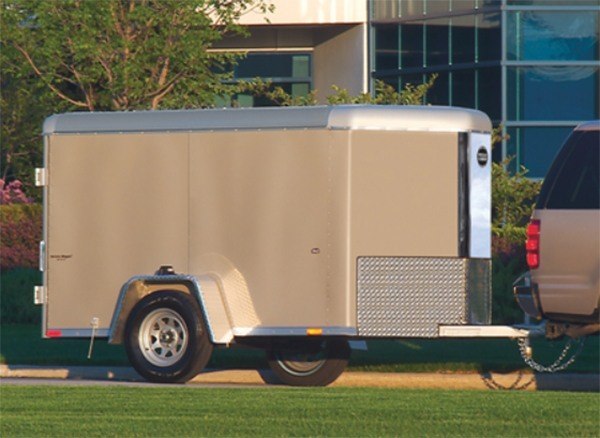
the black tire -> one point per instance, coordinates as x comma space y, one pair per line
309, 364
166, 339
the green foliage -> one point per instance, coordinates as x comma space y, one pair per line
16, 297
384, 94
107, 55
21, 230
277, 95
126, 54
257, 412
513, 201
505, 270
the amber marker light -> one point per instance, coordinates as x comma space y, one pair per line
314, 331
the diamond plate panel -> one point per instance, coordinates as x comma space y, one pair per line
410, 297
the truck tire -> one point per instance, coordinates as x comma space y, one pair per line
309, 365
166, 339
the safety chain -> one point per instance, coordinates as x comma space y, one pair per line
525, 350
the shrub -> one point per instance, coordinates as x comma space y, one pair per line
21, 231
513, 201
12, 193
16, 305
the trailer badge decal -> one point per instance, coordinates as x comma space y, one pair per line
482, 156
61, 257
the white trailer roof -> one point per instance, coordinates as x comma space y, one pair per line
384, 117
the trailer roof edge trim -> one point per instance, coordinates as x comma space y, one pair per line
372, 117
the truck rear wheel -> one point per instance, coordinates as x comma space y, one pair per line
311, 364
166, 339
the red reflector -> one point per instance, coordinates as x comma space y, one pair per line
53, 333
533, 260
532, 244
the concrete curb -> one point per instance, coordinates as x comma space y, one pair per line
529, 381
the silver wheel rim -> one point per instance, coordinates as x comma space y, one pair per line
163, 337
300, 364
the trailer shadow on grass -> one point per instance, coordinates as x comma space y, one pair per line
22, 344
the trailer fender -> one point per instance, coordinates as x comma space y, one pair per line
204, 289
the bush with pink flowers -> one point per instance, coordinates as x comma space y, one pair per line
21, 227
12, 193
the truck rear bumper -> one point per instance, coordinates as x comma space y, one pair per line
527, 295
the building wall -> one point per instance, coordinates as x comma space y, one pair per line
302, 12
342, 61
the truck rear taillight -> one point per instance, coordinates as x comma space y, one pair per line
532, 244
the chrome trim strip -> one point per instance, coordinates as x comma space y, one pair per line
292, 331
480, 197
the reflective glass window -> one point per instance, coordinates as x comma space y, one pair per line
290, 71
462, 5
273, 66
385, 9
386, 47
437, 7
577, 186
556, 35
463, 39
463, 88
552, 2
489, 92
535, 147
552, 93
488, 3
414, 79
391, 80
412, 45
411, 8
439, 93
437, 41
296, 89
489, 42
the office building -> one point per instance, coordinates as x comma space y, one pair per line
531, 65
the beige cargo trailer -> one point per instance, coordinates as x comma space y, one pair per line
296, 230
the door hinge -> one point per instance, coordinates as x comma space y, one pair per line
42, 256
41, 177
39, 295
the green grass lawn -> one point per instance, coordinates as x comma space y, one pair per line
23, 345
182, 411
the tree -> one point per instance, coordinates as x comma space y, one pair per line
127, 54
105, 55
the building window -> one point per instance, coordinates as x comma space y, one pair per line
552, 93
463, 39
535, 147
290, 71
545, 82
386, 53
535, 35
412, 45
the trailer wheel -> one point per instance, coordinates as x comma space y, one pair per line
166, 339
309, 364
